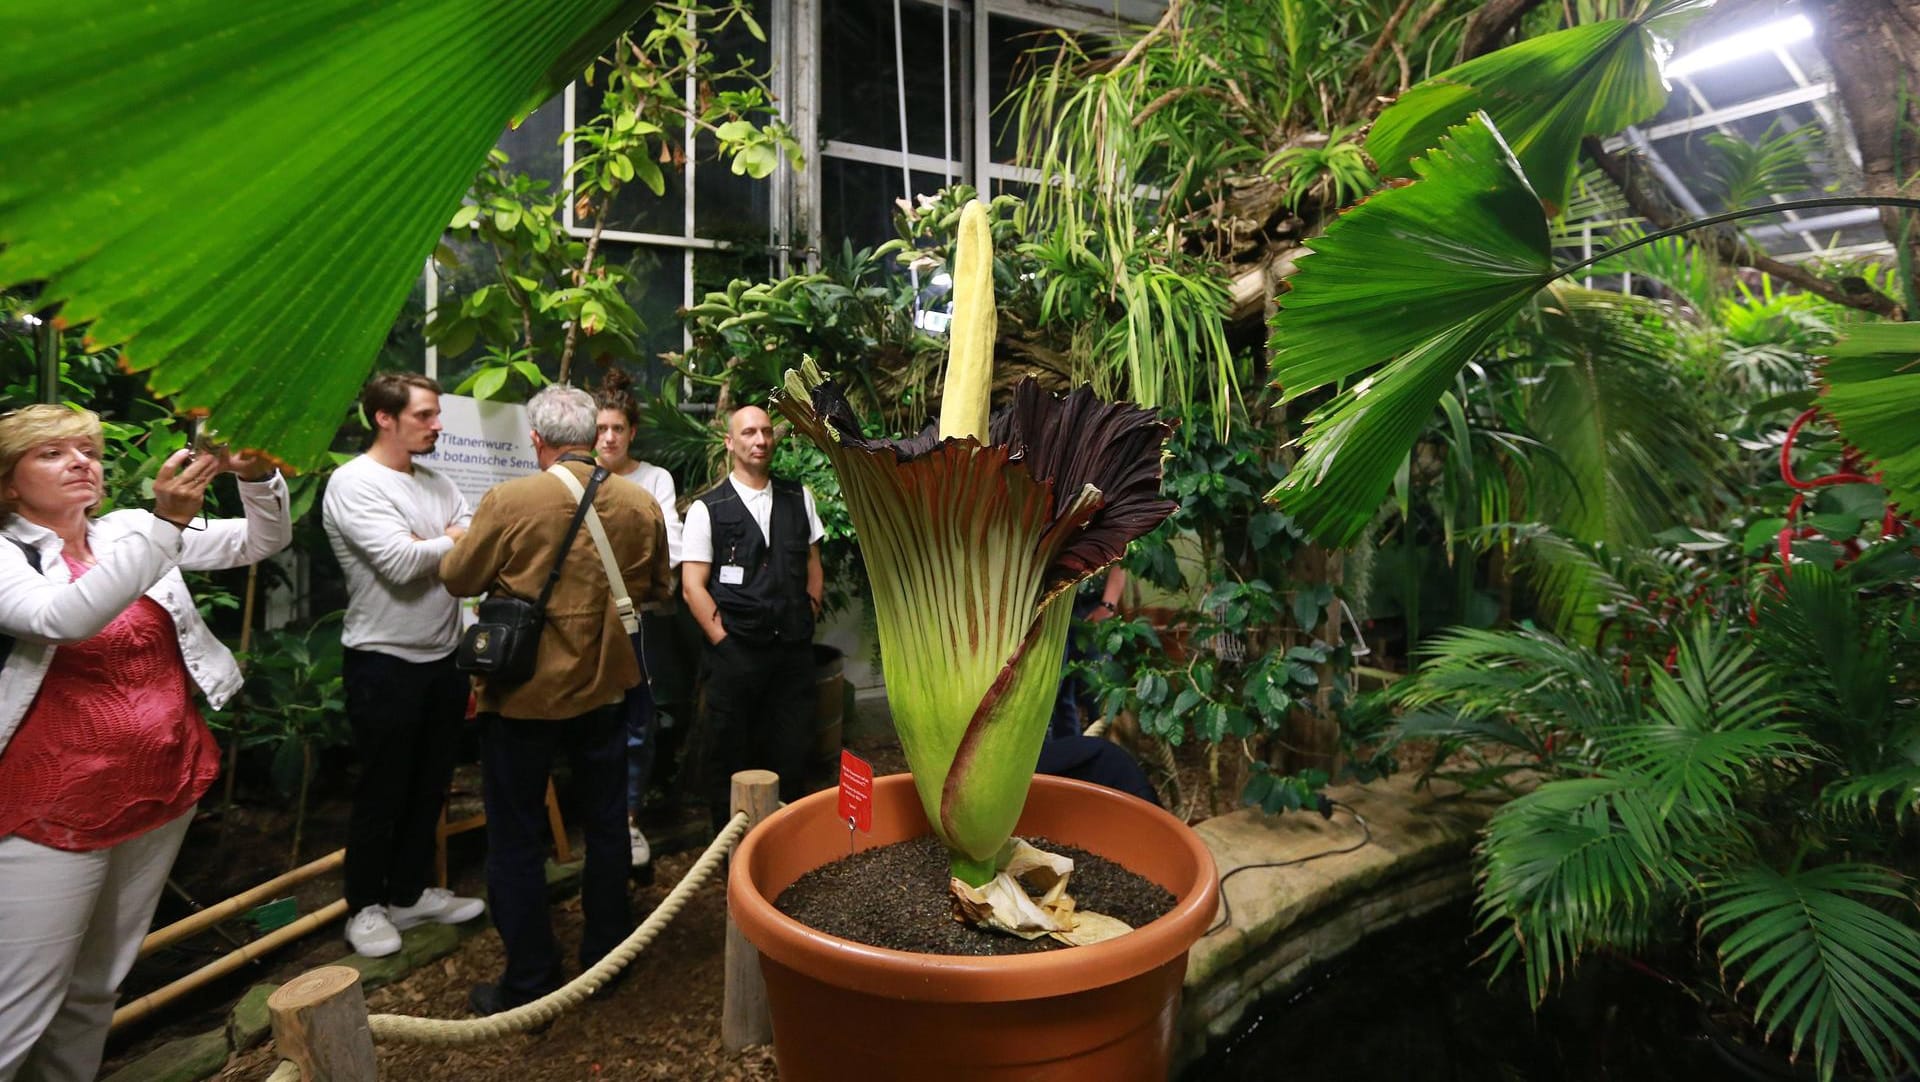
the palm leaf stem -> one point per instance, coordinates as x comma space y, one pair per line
1746, 212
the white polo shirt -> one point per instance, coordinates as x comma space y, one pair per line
696, 539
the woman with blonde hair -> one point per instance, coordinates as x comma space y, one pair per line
103, 753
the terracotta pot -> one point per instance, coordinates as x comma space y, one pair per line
843, 1009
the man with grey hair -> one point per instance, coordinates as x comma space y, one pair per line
574, 698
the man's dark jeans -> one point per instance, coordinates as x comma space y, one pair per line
406, 718
760, 707
517, 755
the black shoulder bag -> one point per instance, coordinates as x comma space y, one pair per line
505, 644
33, 560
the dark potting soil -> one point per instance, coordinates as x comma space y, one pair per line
895, 896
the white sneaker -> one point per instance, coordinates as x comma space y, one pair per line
642, 854
440, 905
371, 933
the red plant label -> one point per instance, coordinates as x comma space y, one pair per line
856, 791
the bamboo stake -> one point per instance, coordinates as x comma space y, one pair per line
153, 1001
239, 903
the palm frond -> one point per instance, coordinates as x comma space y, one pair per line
1831, 970
1545, 93
1864, 795
1409, 323
1576, 864
1872, 379
178, 147
1634, 442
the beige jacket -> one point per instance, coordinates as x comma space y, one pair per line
586, 660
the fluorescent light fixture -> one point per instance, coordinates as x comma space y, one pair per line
1761, 39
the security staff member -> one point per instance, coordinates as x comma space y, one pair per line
750, 573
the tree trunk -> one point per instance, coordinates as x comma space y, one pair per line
1873, 49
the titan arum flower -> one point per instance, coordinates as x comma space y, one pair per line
975, 534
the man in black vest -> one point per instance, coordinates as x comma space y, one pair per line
752, 581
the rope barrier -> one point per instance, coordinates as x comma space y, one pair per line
406, 1029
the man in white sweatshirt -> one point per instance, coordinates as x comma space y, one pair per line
389, 521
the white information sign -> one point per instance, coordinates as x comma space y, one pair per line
481, 444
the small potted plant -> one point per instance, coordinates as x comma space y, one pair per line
975, 534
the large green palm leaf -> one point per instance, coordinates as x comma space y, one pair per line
243, 193
1545, 93
1831, 969
1872, 378
1466, 247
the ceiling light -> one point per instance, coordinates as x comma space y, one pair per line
1761, 39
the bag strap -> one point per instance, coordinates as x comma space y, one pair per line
621, 602
33, 560
573, 528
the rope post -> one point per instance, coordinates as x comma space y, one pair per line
320, 1023
744, 1019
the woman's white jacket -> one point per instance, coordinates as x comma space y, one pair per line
134, 554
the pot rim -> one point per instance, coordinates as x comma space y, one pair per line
966, 978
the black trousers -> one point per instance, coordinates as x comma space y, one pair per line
406, 718
516, 756
759, 715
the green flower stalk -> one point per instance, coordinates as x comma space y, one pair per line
973, 547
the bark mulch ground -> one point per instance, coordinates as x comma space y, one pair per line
663, 1022
895, 896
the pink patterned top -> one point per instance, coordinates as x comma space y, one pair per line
113, 746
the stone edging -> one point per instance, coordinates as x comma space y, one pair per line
1290, 921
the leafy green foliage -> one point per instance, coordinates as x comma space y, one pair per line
1710, 790
1872, 379
1469, 248
1334, 173
1828, 965
354, 125
1781, 162
1545, 94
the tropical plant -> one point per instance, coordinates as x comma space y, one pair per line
192, 274
975, 535
1747, 792
553, 295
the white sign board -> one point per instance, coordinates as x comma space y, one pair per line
481, 444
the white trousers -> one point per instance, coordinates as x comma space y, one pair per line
70, 929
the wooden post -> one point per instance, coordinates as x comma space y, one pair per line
320, 1023
744, 1019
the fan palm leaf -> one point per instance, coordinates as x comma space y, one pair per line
1545, 93
1349, 311
243, 193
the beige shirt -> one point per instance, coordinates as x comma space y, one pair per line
586, 660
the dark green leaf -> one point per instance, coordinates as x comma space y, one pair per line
158, 191
1400, 292
1544, 93
1872, 377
